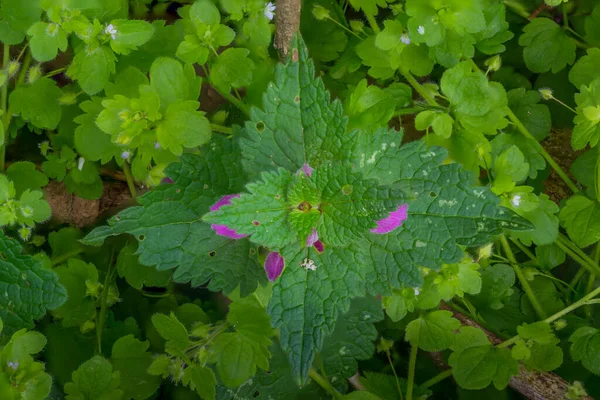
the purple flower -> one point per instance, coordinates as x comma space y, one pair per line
224, 201
319, 246
224, 230
390, 223
307, 169
274, 265
312, 238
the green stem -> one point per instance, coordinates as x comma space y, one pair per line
418, 87
221, 129
4, 105
517, 8
578, 276
564, 104
343, 27
406, 111
525, 250
389, 357
233, 100
55, 72
130, 180
66, 256
24, 69
524, 282
324, 383
103, 305
542, 151
373, 23
412, 363
565, 16
577, 254
438, 378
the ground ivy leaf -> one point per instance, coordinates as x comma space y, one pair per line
131, 359
581, 218
535, 116
369, 106
173, 82
76, 277
297, 124
92, 67
94, 379
306, 302
585, 69
138, 275
433, 331
130, 35
547, 46
527, 146
585, 347
174, 211
46, 39
38, 103
352, 339
183, 126
232, 69
25, 176
27, 289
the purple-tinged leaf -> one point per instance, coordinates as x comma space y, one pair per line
167, 180
224, 201
394, 220
226, 231
319, 246
274, 265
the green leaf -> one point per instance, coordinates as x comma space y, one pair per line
34, 209
535, 117
550, 256
587, 129
250, 319
130, 35
131, 359
232, 69
441, 123
25, 176
547, 46
65, 242
581, 218
94, 380
92, 67
46, 39
477, 103
280, 135
183, 126
172, 82
544, 219
17, 17
29, 288
497, 282
368, 6
369, 106
199, 255
584, 71
38, 103
433, 331
352, 339
171, 330
585, 345
201, 379
527, 146
77, 276
305, 303
89, 140
476, 363
138, 275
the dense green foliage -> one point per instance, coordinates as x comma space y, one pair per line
302, 221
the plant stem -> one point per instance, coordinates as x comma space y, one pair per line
343, 27
438, 378
221, 129
525, 250
517, 8
130, 181
66, 256
564, 104
524, 282
389, 357
324, 383
542, 151
4, 105
55, 72
412, 363
373, 23
577, 254
103, 305
418, 87
236, 102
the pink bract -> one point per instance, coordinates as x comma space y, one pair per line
319, 246
312, 238
224, 201
226, 231
274, 265
394, 220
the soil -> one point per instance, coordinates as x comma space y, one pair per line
558, 145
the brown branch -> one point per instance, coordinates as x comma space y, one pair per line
287, 18
531, 384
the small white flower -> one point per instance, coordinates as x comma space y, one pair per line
405, 39
125, 155
157, 145
308, 264
417, 291
80, 163
421, 30
111, 30
269, 9
13, 365
516, 200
